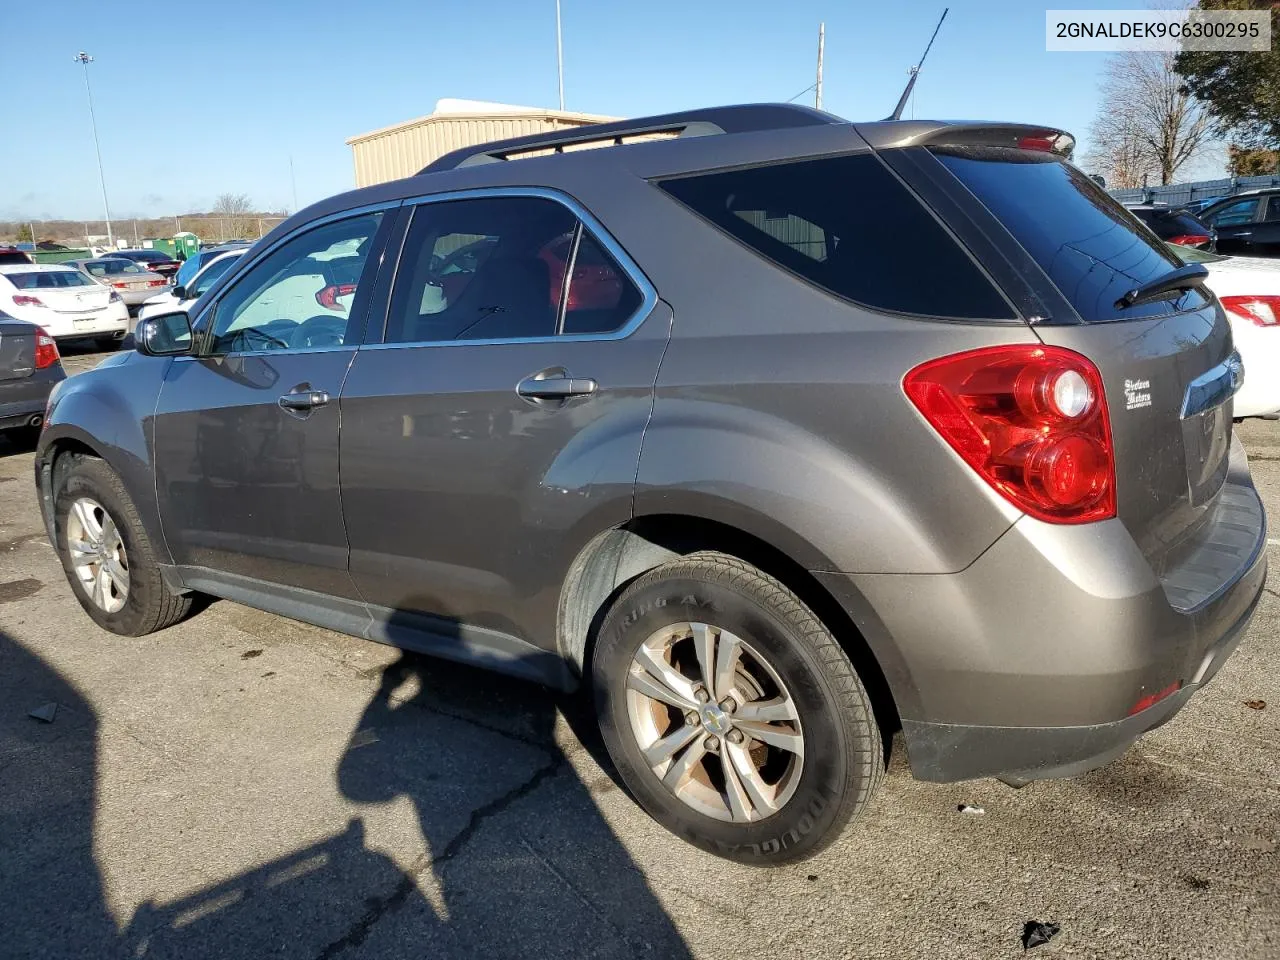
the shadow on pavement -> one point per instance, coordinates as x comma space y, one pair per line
519, 860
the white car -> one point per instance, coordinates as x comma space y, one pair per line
63, 301
181, 297
1249, 288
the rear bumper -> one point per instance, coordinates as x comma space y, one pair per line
1028, 663
20, 400
948, 752
112, 320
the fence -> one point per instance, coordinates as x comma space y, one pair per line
1178, 194
210, 228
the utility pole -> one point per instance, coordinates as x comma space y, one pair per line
84, 60
822, 42
135, 234
294, 182
559, 57
32, 227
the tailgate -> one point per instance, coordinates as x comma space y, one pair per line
17, 350
1169, 384
1167, 364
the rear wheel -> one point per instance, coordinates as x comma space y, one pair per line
731, 712
106, 555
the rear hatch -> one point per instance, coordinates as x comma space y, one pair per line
17, 349
1167, 365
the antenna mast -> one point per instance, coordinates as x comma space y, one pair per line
915, 71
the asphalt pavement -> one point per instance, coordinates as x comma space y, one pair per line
245, 786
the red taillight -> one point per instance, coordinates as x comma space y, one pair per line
1031, 420
23, 300
1264, 311
1151, 699
157, 283
46, 349
120, 284
328, 297
1190, 239
1037, 143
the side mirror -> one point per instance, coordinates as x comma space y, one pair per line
166, 335
180, 292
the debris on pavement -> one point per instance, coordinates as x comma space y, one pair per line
812, 877
1256, 704
250, 654
44, 713
1035, 933
971, 809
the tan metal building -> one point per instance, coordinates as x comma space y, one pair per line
405, 148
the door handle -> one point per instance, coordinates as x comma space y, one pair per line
559, 387
302, 401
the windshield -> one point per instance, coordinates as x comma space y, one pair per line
1093, 249
49, 280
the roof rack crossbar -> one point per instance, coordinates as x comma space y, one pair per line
692, 123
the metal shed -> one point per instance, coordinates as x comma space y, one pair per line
405, 148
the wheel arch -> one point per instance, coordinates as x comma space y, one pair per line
616, 557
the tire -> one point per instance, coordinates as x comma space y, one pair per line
147, 604
785, 657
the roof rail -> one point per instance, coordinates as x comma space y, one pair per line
712, 121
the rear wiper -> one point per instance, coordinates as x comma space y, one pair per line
1183, 278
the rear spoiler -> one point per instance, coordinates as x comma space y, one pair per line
931, 133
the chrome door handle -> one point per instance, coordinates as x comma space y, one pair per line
304, 400
556, 388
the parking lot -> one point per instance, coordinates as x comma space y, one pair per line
242, 785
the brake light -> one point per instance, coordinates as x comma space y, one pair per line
23, 300
1031, 420
328, 297
1190, 239
120, 284
46, 349
1037, 143
1263, 311
1151, 699
157, 283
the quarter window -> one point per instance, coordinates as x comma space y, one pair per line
847, 225
1273, 207
300, 295
498, 268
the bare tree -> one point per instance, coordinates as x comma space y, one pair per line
1147, 125
232, 209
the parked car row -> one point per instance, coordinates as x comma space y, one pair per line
65, 301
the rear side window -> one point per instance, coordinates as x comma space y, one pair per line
847, 225
1234, 214
1089, 245
505, 268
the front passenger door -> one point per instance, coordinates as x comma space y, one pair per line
246, 431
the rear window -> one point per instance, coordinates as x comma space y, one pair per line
1168, 224
13, 256
1087, 243
49, 279
847, 225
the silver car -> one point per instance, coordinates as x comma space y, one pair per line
133, 282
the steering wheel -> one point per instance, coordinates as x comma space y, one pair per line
320, 331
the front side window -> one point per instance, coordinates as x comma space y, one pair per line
209, 276
300, 295
847, 225
1234, 214
495, 268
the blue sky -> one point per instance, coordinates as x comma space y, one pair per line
250, 83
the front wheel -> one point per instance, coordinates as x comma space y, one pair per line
107, 556
731, 712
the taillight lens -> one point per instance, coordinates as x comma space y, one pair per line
46, 349
1190, 239
23, 300
1151, 699
120, 284
1264, 311
157, 283
328, 297
1031, 420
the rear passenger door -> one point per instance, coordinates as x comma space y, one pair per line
1266, 234
496, 423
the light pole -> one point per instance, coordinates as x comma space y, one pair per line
559, 58
84, 60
